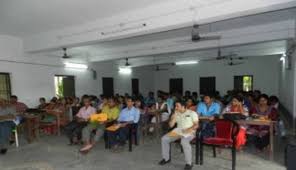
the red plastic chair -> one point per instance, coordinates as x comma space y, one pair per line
225, 136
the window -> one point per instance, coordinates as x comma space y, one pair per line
5, 90
207, 85
64, 85
243, 83
135, 86
176, 86
107, 85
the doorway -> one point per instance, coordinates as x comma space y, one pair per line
64, 85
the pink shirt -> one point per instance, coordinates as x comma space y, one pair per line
86, 112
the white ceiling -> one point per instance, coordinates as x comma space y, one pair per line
26, 17
130, 47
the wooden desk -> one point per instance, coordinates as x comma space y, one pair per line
32, 123
255, 122
258, 122
158, 121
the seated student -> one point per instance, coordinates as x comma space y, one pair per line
129, 115
74, 128
195, 97
7, 118
264, 110
236, 107
274, 102
190, 105
139, 105
187, 95
19, 106
121, 102
162, 108
251, 99
76, 102
103, 103
42, 103
150, 100
112, 111
208, 108
187, 123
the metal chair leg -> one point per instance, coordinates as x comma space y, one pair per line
197, 152
16, 138
201, 154
130, 142
214, 151
233, 158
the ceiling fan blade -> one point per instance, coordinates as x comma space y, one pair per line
234, 64
209, 38
187, 40
240, 58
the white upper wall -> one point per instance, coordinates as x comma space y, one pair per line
287, 84
263, 69
29, 82
122, 83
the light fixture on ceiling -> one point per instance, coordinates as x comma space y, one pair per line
124, 27
75, 65
186, 62
125, 70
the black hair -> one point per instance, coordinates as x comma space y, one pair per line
42, 98
239, 98
209, 95
130, 98
273, 99
182, 102
265, 96
194, 93
13, 97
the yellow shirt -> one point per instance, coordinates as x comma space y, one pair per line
186, 120
112, 113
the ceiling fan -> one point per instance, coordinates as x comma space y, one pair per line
65, 55
196, 37
231, 56
232, 63
127, 64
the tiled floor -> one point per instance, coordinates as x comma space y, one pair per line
53, 153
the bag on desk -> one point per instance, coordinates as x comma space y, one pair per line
290, 154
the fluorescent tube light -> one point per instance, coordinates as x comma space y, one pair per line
76, 65
125, 70
186, 62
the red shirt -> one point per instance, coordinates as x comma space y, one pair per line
20, 107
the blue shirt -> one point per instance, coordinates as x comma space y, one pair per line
170, 102
128, 115
204, 110
149, 101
